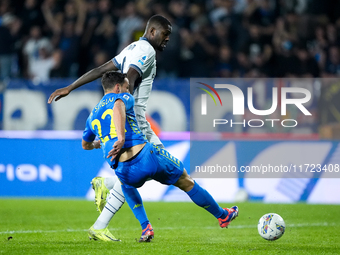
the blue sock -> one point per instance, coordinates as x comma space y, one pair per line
134, 200
202, 198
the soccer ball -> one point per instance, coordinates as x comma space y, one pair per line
271, 226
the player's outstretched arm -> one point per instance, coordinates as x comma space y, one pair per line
86, 78
119, 118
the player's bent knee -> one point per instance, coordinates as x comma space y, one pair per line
185, 182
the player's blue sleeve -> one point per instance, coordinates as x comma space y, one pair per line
128, 100
88, 135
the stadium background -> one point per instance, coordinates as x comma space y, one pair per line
47, 44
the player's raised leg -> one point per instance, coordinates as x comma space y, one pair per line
100, 192
102, 187
202, 198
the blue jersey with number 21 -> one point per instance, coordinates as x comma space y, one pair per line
100, 123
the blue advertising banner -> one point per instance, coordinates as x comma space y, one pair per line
48, 168
304, 171
1, 108
51, 167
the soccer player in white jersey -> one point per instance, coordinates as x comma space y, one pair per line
140, 56
138, 61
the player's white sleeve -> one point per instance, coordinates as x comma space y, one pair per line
117, 61
139, 55
142, 58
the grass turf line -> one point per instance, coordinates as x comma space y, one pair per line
59, 227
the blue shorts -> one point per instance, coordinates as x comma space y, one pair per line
151, 163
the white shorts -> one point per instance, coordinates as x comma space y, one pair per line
145, 127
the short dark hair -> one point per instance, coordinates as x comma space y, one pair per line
111, 78
159, 20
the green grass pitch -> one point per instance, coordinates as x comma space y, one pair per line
59, 227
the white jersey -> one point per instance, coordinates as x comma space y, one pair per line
141, 56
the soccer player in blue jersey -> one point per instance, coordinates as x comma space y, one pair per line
135, 160
138, 61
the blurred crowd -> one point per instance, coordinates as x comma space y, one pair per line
41, 39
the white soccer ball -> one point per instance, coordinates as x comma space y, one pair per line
271, 226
